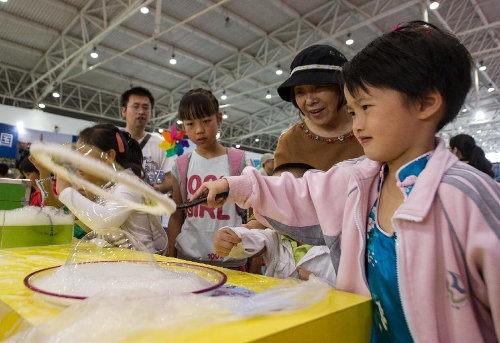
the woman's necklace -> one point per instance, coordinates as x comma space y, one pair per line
332, 140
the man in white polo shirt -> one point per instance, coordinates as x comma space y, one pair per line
136, 106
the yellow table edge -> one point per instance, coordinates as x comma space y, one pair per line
341, 317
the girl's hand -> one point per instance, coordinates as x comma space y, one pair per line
61, 185
42, 171
210, 190
224, 240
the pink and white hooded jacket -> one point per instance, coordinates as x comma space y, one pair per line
448, 247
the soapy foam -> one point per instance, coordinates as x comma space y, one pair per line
31, 215
89, 279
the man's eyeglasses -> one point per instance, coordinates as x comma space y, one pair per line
137, 107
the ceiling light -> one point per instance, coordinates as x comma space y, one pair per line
478, 131
491, 88
41, 105
237, 146
224, 116
56, 95
268, 95
4, 0
94, 53
464, 110
349, 40
179, 122
279, 71
256, 139
173, 60
479, 115
482, 67
434, 5
144, 10
223, 96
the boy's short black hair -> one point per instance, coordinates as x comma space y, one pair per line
414, 59
4, 169
141, 91
25, 166
197, 104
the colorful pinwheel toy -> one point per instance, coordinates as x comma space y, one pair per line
174, 142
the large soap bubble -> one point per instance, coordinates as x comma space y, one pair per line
65, 160
112, 260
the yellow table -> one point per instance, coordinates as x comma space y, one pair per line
341, 317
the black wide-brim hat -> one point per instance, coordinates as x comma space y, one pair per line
315, 65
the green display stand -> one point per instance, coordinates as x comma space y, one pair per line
14, 193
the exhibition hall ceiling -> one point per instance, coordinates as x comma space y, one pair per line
229, 46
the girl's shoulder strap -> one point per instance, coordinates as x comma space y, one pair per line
236, 166
182, 166
236, 161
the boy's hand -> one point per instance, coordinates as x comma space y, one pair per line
224, 240
210, 190
119, 240
254, 224
304, 273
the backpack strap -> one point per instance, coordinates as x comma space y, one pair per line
182, 164
236, 161
236, 165
145, 140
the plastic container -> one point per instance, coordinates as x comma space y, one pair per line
35, 226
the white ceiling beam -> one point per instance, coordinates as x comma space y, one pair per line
66, 65
173, 27
75, 57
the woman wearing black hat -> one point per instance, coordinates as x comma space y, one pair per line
324, 136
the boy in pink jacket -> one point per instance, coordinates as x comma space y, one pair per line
408, 224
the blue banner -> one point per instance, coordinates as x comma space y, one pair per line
8, 141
